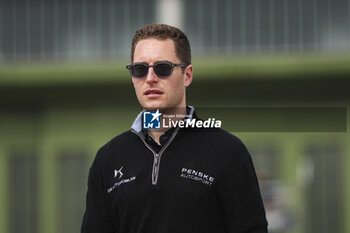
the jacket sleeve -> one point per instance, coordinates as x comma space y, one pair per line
97, 218
241, 199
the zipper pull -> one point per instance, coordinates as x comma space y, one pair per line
157, 159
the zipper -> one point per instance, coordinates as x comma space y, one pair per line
157, 156
155, 170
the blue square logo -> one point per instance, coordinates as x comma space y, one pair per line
151, 120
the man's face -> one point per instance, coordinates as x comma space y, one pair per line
156, 93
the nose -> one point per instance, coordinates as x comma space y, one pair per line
151, 76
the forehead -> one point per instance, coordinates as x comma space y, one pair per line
153, 50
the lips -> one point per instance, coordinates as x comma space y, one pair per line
153, 92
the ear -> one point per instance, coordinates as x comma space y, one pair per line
188, 75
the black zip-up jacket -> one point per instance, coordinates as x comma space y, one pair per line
201, 181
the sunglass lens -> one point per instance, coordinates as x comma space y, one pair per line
163, 70
139, 71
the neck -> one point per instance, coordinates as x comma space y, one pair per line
174, 114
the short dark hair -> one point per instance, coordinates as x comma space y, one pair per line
163, 32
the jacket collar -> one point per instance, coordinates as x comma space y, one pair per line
137, 125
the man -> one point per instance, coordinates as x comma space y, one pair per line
176, 180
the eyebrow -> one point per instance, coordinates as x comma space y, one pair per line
154, 62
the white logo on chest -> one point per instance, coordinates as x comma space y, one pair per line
197, 176
119, 173
116, 172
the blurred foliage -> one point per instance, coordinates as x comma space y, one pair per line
219, 67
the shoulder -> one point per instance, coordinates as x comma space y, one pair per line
226, 147
115, 146
218, 137
232, 154
230, 144
125, 139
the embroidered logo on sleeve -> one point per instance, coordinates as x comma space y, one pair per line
197, 176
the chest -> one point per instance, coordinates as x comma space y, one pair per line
179, 175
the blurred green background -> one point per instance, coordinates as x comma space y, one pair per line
64, 92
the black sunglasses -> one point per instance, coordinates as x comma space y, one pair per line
162, 69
